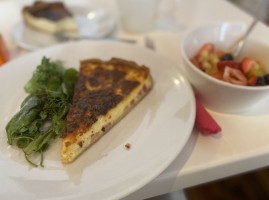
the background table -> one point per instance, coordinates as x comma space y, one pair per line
243, 144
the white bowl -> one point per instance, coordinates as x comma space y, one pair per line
216, 94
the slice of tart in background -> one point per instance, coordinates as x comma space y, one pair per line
105, 92
50, 17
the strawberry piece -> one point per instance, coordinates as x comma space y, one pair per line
196, 63
227, 63
206, 47
218, 75
234, 76
246, 65
252, 80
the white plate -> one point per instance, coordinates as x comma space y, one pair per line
96, 23
157, 129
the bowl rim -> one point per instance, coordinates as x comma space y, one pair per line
205, 75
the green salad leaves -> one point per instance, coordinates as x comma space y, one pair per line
42, 114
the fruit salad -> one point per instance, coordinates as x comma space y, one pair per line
221, 65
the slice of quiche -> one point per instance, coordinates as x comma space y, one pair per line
105, 92
51, 17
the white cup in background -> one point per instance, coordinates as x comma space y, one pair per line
138, 15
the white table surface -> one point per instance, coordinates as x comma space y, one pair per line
243, 144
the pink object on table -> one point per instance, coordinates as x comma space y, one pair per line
204, 122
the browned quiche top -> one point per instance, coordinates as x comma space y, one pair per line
100, 87
49, 10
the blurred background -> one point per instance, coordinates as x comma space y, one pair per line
257, 8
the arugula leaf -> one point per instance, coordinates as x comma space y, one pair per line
43, 112
48, 76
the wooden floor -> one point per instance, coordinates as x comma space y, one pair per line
253, 185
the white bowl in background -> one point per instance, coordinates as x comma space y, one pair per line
216, 94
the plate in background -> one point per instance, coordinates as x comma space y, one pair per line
96, 23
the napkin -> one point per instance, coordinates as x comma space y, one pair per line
204, 121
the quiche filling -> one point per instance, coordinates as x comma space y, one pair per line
105, 92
